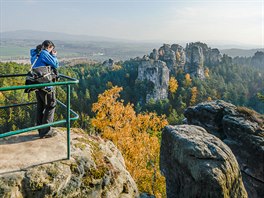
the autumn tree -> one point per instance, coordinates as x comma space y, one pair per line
206, 72
194, 93
136, 136
173, 85
209, 99
188, 80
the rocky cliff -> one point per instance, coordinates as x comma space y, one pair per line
198, 164
173, 56
156, 72
96, 168
191, 59
199, 55
242, 130
195, 60
258, 60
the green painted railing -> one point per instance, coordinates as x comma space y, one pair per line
67, 106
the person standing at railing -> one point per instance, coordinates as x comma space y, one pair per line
45, 55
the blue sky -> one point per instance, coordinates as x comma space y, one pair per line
169, 20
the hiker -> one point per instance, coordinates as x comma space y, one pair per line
45, 55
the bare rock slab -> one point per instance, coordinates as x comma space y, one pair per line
35, 167
242, 130
198, 164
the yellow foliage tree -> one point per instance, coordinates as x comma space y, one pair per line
194, 92
116, 67
173, 85
188, 80
206, 73
136, 136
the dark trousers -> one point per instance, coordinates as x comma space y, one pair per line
46, 103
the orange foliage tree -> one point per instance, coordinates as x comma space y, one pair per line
136, 136
188, 80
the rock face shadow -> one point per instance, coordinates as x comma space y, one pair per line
26, 150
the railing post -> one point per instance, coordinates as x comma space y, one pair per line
68, 121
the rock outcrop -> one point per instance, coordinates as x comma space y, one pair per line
199, 55
108, 63
174, 57
96, 169
167, 55
194, 60
198, 164
156, 72
242, 130
258, 60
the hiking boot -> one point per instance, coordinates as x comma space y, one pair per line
51, 133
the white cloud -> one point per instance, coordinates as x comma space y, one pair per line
232, 22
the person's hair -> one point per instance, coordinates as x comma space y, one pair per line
38, 48
47, 43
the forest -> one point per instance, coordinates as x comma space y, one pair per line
111, 101
228, 81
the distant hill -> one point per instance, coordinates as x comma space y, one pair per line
42, 35
16, 45
240, 52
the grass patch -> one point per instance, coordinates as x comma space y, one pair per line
251, 115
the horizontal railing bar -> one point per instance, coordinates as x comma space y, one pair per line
68, 77
32, 103
37, 85
74, 81
31, 128
40, 126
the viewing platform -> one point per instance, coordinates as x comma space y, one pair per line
26, 150
23, 148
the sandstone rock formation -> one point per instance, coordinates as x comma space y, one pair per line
154, 55
194, 60
258, 60
174, 57
96, 169
156, 72
199, 55
167, 55
198, 164
214, 57
180, 56
242, 130
108, 63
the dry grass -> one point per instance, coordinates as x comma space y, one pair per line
252, 115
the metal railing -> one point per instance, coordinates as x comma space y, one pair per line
67, 106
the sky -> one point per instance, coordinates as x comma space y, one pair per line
233, 21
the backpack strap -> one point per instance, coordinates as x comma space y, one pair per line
35, 60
